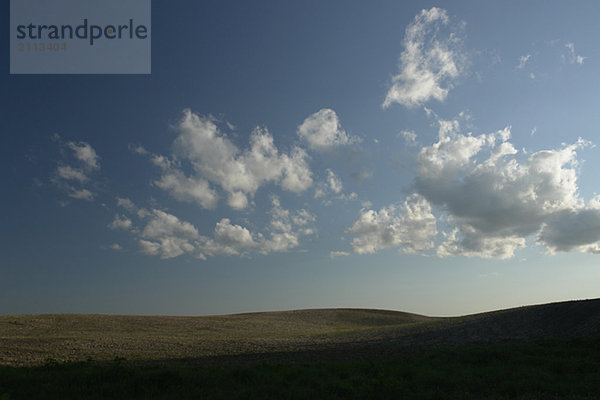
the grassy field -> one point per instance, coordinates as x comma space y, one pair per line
537, 352
525, 370
33, 339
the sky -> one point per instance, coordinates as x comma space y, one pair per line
431, 157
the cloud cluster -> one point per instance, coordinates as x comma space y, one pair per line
162, 234
215, 160
494, 199
74, 176
430, 62
488, 197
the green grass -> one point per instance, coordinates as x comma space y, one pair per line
523, 370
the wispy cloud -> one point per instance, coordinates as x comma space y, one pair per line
410, 137
74, 172
571, 57
431, 61
334, 254
523, 60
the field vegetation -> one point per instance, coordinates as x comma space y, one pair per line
548, 351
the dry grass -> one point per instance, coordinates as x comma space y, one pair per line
33, 339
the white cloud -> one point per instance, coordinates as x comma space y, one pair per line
410, 226
215, 160
303, 217
116, 246
322, 131
126, 203
185, 188
429, 63
138, 149
334, 254
335, 183
234, 236
571, 56
523, 60
491, 198
164, 224
331, 189
167, 236
286, 230
473, 244
67, 172
86, 154
120, 222
409, 137
80, 194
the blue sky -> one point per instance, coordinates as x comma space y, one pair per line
432, 157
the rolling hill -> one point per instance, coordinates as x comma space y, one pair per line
283, 335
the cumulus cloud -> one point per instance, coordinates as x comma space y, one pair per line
410, 226
167, 236
494, 198
188, 188
473, 244
430, 62
491, 197
322, 131
215, 160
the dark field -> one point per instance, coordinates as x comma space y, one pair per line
548, 351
